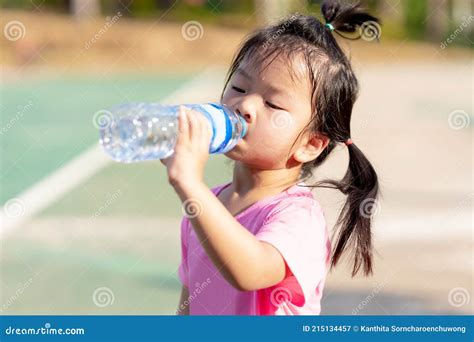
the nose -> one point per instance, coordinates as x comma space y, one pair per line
247, 116
246, 110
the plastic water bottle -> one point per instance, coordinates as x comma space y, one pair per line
148, 131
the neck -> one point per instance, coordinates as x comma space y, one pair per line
247, 178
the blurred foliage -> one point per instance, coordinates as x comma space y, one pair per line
61, 6
223, 12
415, 18
466, 38
411, 24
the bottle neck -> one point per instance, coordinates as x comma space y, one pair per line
244, 125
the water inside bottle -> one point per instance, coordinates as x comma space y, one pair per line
148, 131
136, 134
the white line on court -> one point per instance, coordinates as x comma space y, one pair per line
204, 87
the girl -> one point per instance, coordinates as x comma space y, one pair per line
259, 244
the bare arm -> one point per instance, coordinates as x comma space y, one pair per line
244, 261
183, 309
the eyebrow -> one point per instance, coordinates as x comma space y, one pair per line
246, 75
243, 73
280, 91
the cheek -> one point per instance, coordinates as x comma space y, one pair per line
269, 140
267, 146
227, 98
275, 132
268, 143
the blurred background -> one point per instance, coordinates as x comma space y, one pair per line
81, 234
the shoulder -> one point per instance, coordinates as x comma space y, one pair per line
297, 203
218, 188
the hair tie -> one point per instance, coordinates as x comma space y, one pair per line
330, 27
348, 142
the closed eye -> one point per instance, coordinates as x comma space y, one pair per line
237, 89
271, 105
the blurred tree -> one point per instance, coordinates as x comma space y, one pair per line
123, 6
194, 2
164, 4
460, 13
268, 11
437, 19
390, 10
415, 18
84, 9
374, 4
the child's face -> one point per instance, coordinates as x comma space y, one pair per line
276, 103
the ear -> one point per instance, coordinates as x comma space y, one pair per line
311, 147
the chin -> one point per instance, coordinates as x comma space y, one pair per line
234, 154
251, 161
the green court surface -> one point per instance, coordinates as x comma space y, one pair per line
47, 122
119, 229
139, 189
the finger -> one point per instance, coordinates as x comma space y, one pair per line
193, 125
203, 125
206, 131
183, 126
199, 131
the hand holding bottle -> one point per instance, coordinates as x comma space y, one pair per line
191, 152
137, 132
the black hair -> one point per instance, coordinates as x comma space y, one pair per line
334, 91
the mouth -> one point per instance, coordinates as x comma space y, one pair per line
244, 126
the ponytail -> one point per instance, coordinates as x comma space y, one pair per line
360, 185
334, 89
353, 226
350, 18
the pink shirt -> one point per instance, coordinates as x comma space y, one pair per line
294, 223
